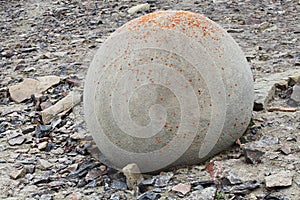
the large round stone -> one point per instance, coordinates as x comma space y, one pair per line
168, 88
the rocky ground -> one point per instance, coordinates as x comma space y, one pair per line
45, 150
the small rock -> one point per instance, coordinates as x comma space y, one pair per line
55, 184
46, 197
91, 184
297, 60
44, 164
149, 196
58, 151
17, 173
148, 182
253, 156
133, 175
17, 141
205, 194
285, 149
233, 179
29, 86
42, 145
268, 140
139, 8
163, 180
296, 93
77, 136
93, 174
182, 188
244, 188
29, 168
119, 185
75, 196
280, 179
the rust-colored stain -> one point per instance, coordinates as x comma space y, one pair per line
182, 20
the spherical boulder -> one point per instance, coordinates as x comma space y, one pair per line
165, 89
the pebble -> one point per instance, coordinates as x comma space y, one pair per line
42, 145
44, 164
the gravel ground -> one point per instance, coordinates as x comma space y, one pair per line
60, 161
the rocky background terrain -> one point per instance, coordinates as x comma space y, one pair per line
47, 153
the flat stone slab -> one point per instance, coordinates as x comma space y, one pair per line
281, 179
30, 86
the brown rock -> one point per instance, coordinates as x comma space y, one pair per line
17, 173
182, 188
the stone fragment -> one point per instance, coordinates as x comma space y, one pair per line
16, 141
77, 136
119, 185
244, 188
182, 188
17, 173
285, 149
253, 156
133, 175
163, 179
233, 178
42, 145
281, 179
44, 164
149, 196
93, 174
205, 194
75, 196
55, 184
296, 93
64, 105
29, 86
139, 8
46, 197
